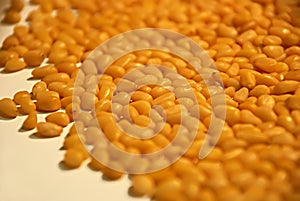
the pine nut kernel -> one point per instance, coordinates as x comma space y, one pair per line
8, 108
48, 129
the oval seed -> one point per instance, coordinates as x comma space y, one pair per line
10, 41
73, 158
265, 113
293, 75
285, 86
265, 64
56, 77
38, 87
293, 102
20, 96
249, 35
271, 40
72, 110
59, 118
115, 71
259, 90
8, 108
17, 5
66, 67
73, 140
287, 122
266, 79
43, 71
48, 129
20, 30
57, 87
141, 120
273, 51
164, 189
250, 134
232, 115
66, 101
142, 106
34, 57
140, 95
88, 101
112, 174
227, 31
279, 31
292, 50
247, 79
48, 101
143, 185
290, 40
12, 17
30, 122
19, 49
106, 92
158, 91
27, 106
6, 55
241, 95
163, 98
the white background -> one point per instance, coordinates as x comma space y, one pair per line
29, 167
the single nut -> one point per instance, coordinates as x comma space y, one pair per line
73, 158
14, 65
34, 57
20, 96
30, 122
59, 118
43, 71
48, 101
48, 129
8, 108
12, 17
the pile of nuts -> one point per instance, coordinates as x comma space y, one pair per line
255, 47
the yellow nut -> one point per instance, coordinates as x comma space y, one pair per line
48, 129
19, 49
142, 106
38, 87
249, 133
66, 101
266, 64
17, 5
8, 108
34, 57
48, 101
14, 64
12, 17
6, 55
143, 185
27, 106
30, 122
66, 67
73, 158
59, 118
140, 95
20, 96
56, 77
247, 79
43, 71
285, 86
293, 102
293, 75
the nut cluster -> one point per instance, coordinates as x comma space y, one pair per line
255, 47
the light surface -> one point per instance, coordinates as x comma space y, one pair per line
29, 167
